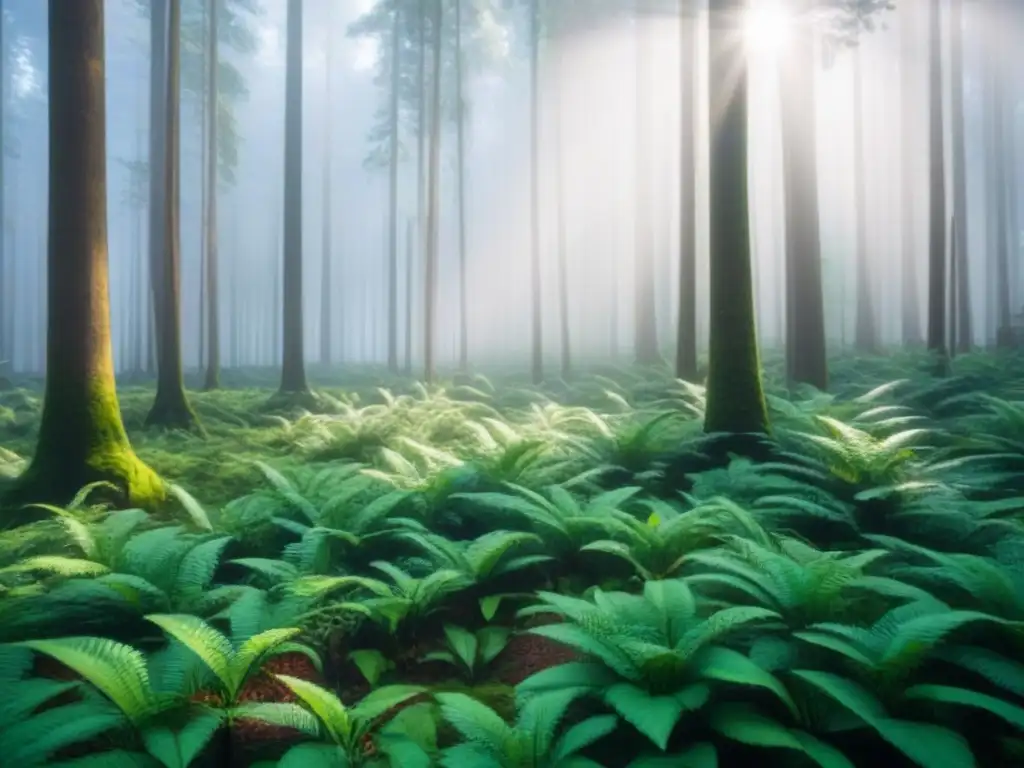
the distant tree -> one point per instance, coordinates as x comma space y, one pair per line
81, 436
212, 379
171, 408
937, 221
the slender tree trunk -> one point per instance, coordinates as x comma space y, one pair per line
563, 248
171, 408
327, 277
421, 159
536, 299
410, 237
866, 329
910, 140
962, 309
461, 160
157, 140
81, 436
997, 95
434, 201
686, 323
805, 309
293, 362
937, 195
5, 281
735, 398
645, 319
396, 82
212, 255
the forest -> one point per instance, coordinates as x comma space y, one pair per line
511, 384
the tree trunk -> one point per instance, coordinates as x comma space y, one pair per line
434, 201
909, 140
461, 161
5, 281
963, 332
686, 323
536, 299
396, 61
157, 140
937, 195
212, 257
293, 364
806, 358
735, 398
81, 436
410, 229
866, 329
645, 319
171, 408
326, 276
563, 248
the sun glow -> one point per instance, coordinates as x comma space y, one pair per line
768, 27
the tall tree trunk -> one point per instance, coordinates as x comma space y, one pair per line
536, 299
293, 361
686, 322
410, 238
461, 161
421, 159
909, 140
866, 329
396, 82
645, 319
937, 195
563, 248
81, 436
212, 256
735, 398
962, 310
5, 281
997, 95
434, 198
157, 141
171, 408
326, 275
805, 309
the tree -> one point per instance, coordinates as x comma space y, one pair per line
536, 299
326, 278
911, 305
434, 197
937, 198
735, 397
170, 406
805, 311
212, 283
293, 366
645, 320
962, 309
81, 436
866, 330
686, 325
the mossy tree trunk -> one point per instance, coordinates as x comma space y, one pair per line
293, 365
686, 322
171, 408
806, 360
81, 436
735, 398
212, 260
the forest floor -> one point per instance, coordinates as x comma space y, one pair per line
867, 565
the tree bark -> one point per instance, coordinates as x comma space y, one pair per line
171, 408
396, 81
866, 328
910, 296
434, 199
326, 274
536, 299
293, 365
735, 398
963, 331
937, 195
686, 322
81, 436
805, 309
212, 258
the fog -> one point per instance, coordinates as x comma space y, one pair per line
588, 159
